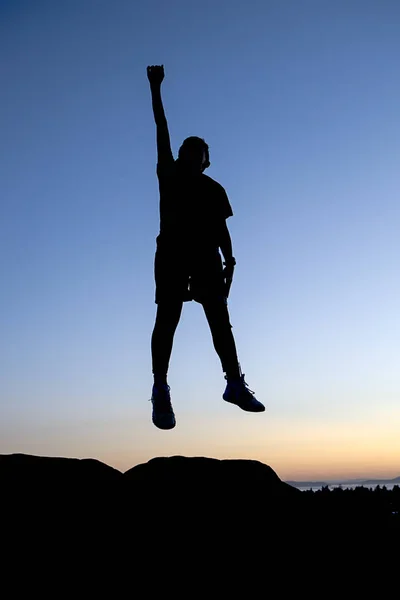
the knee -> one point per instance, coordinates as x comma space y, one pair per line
168, 315
218, 316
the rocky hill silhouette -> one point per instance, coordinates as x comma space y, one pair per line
208, 479
177, 474
196, 493
195, 519
210, 490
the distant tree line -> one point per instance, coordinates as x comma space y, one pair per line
360, 505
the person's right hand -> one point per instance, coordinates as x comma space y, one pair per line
155, 73
227, 274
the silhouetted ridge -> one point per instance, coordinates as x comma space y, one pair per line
43, 470
195, 497
207, 476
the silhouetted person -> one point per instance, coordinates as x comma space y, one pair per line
188, 264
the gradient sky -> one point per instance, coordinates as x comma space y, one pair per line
299, 102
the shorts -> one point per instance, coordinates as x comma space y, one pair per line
183, 276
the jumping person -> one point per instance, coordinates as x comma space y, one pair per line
188, 264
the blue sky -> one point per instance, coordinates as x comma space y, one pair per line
298, 101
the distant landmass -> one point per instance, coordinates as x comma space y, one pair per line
381, 481
360, 482
307, 483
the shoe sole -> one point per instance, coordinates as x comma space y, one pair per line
259, 409
164, 426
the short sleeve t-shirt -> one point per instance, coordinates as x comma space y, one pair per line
192, 209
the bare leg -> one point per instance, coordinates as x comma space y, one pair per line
217, 315
167, 319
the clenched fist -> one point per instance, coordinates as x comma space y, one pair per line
155, 74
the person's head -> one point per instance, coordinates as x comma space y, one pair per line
193, 155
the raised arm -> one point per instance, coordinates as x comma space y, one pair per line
155, 75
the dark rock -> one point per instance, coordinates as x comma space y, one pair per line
17, 469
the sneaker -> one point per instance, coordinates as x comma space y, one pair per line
163, 415
237, 392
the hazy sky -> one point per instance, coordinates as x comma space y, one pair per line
299, 102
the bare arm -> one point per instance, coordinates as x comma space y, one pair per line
155, 75
225, 243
